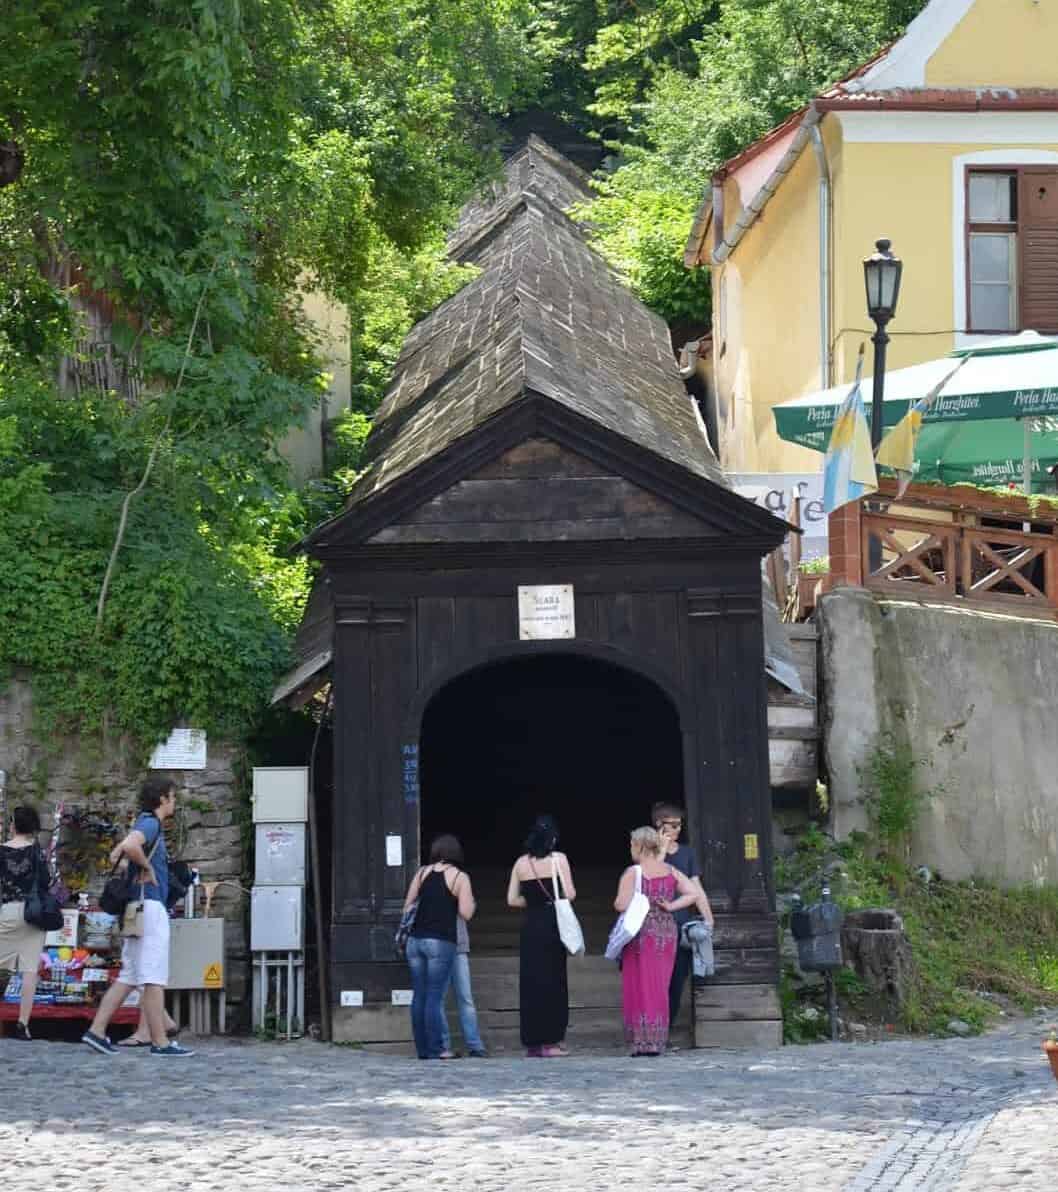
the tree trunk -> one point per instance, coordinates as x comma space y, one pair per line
874, 944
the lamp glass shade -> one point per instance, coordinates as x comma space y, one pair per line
881, 272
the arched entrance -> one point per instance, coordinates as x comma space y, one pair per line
592, 743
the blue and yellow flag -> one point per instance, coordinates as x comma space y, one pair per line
848, 470
897, 450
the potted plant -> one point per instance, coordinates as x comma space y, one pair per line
811, 581
1050, 1047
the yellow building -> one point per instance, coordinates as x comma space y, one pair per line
305, 447
947, 144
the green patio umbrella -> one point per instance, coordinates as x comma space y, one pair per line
995, 422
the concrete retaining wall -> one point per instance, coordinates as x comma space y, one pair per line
975, 695
211, 811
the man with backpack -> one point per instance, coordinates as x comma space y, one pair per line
144, 957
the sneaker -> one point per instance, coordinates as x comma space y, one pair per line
99, 1043
22, 1033
171, 1049
479, 1053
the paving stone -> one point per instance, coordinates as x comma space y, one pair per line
244, 1116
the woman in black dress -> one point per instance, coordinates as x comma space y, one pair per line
543, 992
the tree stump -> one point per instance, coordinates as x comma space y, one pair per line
874, 944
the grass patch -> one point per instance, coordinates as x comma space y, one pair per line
968, 938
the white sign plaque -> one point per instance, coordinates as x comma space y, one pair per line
185, 750
394, 850
545, 611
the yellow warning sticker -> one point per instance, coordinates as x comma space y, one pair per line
752, 848
213, 977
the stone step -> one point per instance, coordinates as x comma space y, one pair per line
596, 1028
502, 994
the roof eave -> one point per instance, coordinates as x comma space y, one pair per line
937, 100
748, 216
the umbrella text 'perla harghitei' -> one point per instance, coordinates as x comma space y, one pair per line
997, 414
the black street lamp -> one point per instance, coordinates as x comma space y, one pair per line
881, 272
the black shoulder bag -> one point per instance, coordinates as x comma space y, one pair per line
117, 890
42, 907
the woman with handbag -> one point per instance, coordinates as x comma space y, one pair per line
540, 878
439, 894
22, 867
648, 958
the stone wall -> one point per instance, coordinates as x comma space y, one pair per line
210, 825
975, 696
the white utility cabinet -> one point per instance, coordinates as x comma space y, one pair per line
277, 918
279, 854
196, 954
280, 794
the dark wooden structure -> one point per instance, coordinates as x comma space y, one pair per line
538, 433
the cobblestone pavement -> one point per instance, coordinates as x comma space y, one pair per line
959, 1115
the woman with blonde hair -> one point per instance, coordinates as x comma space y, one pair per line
647, 961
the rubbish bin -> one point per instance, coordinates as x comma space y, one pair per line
817, 930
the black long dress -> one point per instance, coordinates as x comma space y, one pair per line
542, 989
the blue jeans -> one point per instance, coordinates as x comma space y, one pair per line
430, 962
459, 980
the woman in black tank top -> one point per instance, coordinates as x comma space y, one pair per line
441, 893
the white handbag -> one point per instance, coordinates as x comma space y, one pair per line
629, 921
568, 924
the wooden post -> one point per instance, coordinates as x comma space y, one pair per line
795, 539
1050, 574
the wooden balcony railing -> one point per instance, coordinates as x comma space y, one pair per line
956, 545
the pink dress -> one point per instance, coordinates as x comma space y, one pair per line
646, 969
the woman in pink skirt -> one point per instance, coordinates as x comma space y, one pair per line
646, 962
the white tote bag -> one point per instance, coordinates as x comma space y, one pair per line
629, 921
568, 925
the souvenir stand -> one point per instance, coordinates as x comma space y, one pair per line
77, 965
81, 959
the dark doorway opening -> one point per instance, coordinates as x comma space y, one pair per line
591, 743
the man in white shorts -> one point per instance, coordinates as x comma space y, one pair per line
144, 959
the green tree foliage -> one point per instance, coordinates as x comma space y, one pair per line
190, 170
752, 64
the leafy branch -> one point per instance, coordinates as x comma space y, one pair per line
130, 496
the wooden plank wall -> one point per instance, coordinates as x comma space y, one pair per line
541, 492
793, 720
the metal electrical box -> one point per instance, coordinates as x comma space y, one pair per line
277, 919
279, 854
280, 794
196, 954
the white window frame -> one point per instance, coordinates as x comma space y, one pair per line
960, 164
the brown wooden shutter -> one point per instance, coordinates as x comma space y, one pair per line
1038, 234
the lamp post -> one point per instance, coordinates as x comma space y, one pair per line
881, 273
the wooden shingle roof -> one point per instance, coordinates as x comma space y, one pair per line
546, 317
